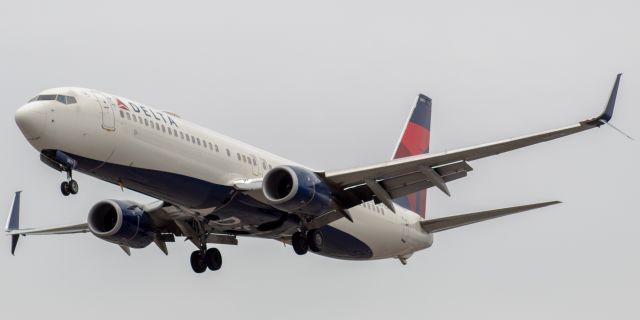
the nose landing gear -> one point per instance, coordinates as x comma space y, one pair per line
70, 186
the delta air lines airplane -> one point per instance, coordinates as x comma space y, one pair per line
212, 189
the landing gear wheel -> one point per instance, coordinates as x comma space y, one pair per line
213, 259
65, 189
300, 243
198, 263
73, 187
315, 239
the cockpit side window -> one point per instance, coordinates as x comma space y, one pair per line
46, 97
58, 97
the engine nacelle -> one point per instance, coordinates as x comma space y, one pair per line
294, 189
122, 223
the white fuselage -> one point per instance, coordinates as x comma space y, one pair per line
115, 132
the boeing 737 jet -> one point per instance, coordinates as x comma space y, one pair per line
212, 189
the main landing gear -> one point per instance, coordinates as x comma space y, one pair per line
70, 186
203, 259
303, 241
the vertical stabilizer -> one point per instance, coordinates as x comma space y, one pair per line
415, 141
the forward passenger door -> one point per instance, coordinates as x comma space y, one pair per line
108, 114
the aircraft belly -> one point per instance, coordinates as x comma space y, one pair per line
243, 215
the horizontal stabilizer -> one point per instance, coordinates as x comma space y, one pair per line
442, 224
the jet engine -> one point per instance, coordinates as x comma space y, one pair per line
294, 189
122, 223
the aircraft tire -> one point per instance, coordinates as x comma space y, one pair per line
315, 239
64, 188
213, 259
300, 243
73, 187
198, 263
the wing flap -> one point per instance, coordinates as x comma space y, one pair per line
356, 195
442, 224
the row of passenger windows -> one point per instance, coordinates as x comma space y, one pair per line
371, 206
190, 138
57, 97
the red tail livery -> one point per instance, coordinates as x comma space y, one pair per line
415, 141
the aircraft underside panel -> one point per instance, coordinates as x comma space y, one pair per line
237, 214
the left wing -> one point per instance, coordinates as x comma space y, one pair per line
385, 181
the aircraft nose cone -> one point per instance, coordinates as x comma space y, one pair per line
31, 119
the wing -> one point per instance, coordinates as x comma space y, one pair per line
442, 224
385, 181
68, 229
169, 219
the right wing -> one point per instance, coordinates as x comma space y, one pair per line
68, 229
13, 226
170, 219
388, 180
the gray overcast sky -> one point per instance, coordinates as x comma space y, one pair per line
329, 84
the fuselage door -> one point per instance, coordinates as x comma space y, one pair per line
405, 229
255, 166
108, 116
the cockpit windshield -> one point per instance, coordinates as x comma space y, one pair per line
58, 97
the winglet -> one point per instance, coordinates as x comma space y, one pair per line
608, 111
13, 222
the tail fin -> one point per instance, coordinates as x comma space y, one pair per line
415, 141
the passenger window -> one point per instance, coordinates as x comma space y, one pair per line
163, 129
264, 165
210, 146
157, 126
187, 136
62, 99
228, 153
128, 116
193, 139
239, 158
254, 162
146, 122
181, 135
217, 150
175, 132
71, 100
198, 139
135, 119
121, 114
244, 159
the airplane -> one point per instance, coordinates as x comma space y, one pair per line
212, 189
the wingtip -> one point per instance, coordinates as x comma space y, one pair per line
607, 114
14, 243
